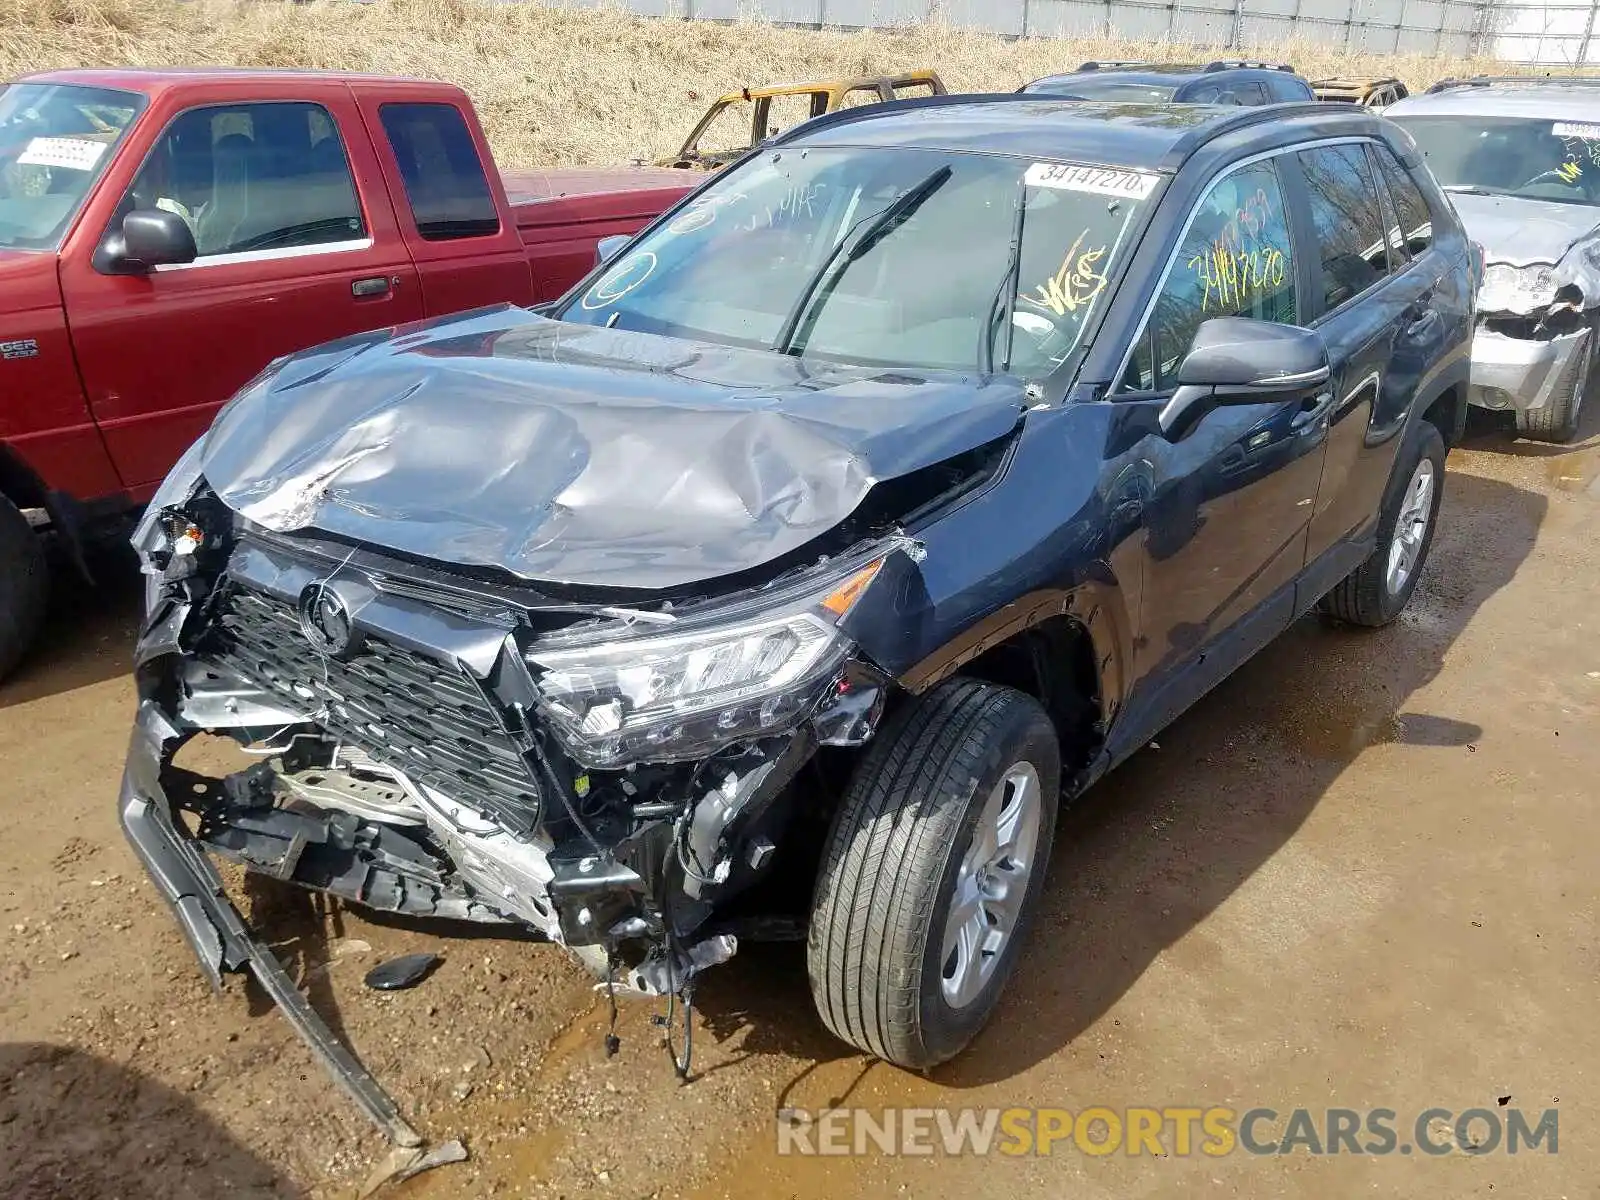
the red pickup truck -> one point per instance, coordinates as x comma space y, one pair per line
164, 234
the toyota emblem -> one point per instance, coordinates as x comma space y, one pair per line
325, 621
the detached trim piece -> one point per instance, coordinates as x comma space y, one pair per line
216, 931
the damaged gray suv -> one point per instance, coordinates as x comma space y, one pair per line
782, 578
1520, 159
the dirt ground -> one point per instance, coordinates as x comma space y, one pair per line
1363, 873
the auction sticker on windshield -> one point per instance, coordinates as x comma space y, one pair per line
1105, 181
1575, 129
78, 154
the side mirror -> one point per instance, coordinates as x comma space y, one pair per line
1240, 360
607, 247
158, 238
149, 237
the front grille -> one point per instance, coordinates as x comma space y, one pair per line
410, 712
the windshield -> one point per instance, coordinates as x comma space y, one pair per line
55, 140
901, 257
1110, 91
1536, 158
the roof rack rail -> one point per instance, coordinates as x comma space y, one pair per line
1445, 85
1112, 64
1233, 64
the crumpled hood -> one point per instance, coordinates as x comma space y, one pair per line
1523, 232
575, 454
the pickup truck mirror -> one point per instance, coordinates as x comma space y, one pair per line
149, 237
1241, 360
607, 247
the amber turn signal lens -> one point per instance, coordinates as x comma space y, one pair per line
843, 598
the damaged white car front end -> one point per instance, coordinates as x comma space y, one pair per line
1535, 333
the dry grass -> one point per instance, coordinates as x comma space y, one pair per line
560, 86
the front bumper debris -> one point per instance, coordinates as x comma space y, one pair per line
214, 928
406, 770
1520, 373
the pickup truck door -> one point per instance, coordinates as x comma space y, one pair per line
450, 201
1227, 503
297, 243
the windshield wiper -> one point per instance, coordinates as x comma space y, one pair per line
863, 236
1004, 301
1474, 189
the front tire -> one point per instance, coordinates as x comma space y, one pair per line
1376, 592
1557, 421
933, 866
24, 584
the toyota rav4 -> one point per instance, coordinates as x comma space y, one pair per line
783, 577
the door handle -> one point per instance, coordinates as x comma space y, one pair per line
1422, 321
1421, 312
375, 285
1312, 411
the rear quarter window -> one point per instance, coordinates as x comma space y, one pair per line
442, 172
1411, 207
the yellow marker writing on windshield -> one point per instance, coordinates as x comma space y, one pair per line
1077, 282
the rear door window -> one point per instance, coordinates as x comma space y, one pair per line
1353, 253
253, 177
1411, 207
442, 172
1236, 260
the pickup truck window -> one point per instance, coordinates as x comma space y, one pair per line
55, 140
443, 175
253, 177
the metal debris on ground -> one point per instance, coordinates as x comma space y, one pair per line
402, 1163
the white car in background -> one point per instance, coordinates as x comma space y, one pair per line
1520, 159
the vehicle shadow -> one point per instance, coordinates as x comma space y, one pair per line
1159, 844
73, 1125
88, 632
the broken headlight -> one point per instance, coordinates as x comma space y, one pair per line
1519, 290
157, 537
671, 697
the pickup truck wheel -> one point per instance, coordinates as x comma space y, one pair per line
24, 582
1557, 421
933, 866
1378, 590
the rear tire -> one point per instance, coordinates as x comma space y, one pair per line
934, 864
1557, 421
24, 584
1375, 593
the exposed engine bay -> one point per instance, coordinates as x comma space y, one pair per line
482, 673
435, 746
